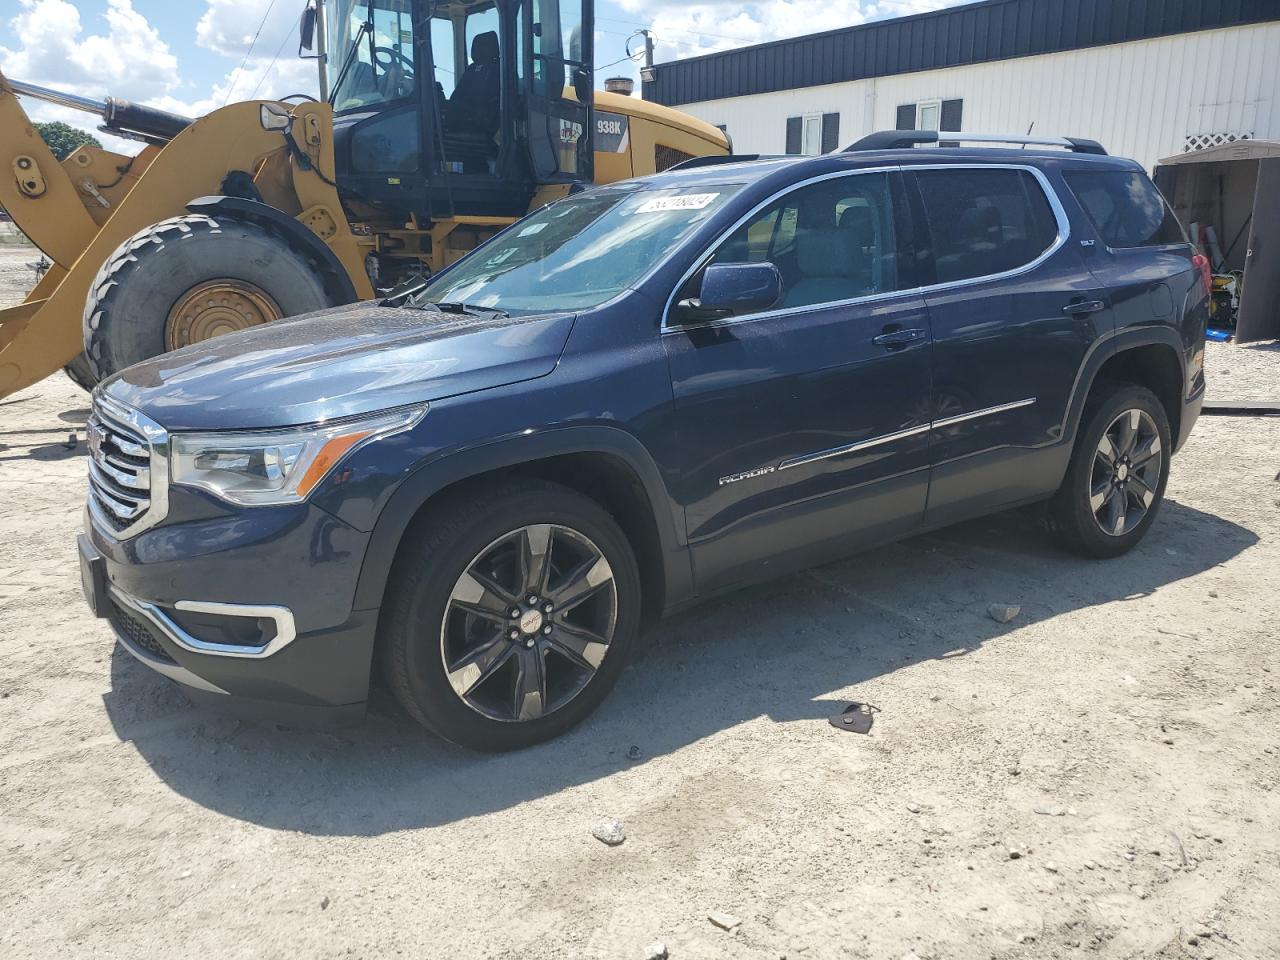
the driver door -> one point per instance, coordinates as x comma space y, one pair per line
558, 52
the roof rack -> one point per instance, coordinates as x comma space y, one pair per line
904, 139
715, 161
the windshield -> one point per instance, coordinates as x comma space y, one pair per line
370, 60
578, 252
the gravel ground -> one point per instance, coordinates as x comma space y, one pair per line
1097, 777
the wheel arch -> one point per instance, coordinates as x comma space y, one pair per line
605, 464
1151, 358
337, 281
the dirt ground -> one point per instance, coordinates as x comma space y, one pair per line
1097, 777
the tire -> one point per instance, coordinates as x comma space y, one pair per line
80, 373
427, 615
1101, 510
127, 314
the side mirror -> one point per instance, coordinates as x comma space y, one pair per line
730, 289
582, 85
307, 30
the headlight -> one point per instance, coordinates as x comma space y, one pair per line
258, 468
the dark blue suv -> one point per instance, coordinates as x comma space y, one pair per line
635, 397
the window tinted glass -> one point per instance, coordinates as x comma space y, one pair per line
1126, 208
831, 241
984, 222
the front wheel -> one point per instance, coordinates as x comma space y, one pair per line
190, 279
510, 614
1116, 479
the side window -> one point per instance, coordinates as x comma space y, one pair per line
985, 222
1126, 208
833, 240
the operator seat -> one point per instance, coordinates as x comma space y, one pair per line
475, 106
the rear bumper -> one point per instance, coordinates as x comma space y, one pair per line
1190, 414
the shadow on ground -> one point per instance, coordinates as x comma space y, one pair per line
773, 651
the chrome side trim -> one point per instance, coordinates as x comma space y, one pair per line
1055, 204
986, 412
853, 447
880, 441
286, 631
171, 670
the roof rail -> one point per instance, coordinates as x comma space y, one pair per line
903, 139
718, 159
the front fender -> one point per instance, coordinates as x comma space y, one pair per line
433, 477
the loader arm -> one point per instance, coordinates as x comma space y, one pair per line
44, 333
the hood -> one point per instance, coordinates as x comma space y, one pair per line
338, 363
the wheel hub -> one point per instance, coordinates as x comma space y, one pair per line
216, 307
530, 622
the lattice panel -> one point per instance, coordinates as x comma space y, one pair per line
1202, 141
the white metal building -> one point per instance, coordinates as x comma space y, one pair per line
1146, 78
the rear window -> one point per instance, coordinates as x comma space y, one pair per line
1126, 208
985, 222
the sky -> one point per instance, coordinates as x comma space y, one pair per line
192, 56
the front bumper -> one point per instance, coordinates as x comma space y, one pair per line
250, 612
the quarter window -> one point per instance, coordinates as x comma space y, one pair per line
985, 222
831, 241
1126, 208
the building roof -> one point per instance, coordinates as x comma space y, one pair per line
1236, 150
972, 33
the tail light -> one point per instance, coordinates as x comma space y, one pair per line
1201, 263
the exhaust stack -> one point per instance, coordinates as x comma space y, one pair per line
120, 117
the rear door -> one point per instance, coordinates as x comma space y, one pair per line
1142, 257
1013, 312
804, 427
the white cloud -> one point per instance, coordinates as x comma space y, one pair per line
684, 30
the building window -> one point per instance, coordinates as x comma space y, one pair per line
813, 134
929, 115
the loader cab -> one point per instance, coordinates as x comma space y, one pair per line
458, 107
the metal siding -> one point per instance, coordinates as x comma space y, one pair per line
991, 30
1138, 99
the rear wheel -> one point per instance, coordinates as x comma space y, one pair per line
1116, 479
190, 279
510, 615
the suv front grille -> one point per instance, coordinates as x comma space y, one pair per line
128, 467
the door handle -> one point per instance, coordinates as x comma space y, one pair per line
1084, 306
895, 339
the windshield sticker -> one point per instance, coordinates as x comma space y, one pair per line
531, 229
690, 201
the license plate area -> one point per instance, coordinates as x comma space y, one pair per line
93, 576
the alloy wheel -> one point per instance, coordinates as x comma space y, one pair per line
529, 622
1126, 472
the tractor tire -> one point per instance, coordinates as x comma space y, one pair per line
80, 373
192, 278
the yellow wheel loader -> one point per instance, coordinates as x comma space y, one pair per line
440, 123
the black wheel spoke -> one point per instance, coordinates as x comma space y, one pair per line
1128, 423
1147, 453
481, 597
584, 647
1118, 510
1143, 491
1107, 453
479, 665
529, 692
535, 556
581, 583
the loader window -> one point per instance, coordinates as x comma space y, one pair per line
581, 251
371, 53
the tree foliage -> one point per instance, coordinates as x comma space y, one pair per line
63, 138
